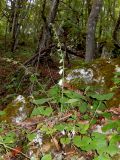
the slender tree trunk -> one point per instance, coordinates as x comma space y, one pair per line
16, 6
46, 34
91, 28
88, 6
115, 32
15, 25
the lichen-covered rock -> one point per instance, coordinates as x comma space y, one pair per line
17, 110
98, 75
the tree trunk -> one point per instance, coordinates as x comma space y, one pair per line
16, 18
115, 36
46, 34
115, 32
88, 6
15, 25
91, 28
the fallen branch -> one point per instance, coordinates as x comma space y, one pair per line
73, 52
50, 121
46, 52
43, 53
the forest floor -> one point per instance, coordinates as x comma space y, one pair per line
48, 131
7, 67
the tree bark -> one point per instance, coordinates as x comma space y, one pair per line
46, 34
115, 32
45, 44
15, 22
91, 28
88, 6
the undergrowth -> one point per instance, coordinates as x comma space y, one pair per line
80, 114
69, 118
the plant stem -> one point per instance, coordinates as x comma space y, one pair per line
8, 147
95, 111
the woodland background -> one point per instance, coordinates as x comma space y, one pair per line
60, 79
87, 27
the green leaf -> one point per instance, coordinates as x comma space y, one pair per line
107, 115
48, 111
77, 140
65, 140
99, 145
115, 138
73, 95
42, 111
60, 127
102, 157
63, 100
65, 126
47, 157
99, 142
73, 117
86, 117
85, 141
82, 128
2, 113
83, 107
102, 97
54, 91
72, 101
48, 130
69, 127
1, 129
116, 80
117, 73
41, 101
31, 136
10, 137
1, 139
33, 78
111, 125
113, 150
102, 105
93, 121
37, 111
82, 142
97, 135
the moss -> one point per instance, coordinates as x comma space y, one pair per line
16, 109
102, 79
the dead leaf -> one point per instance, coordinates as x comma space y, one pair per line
55, 141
